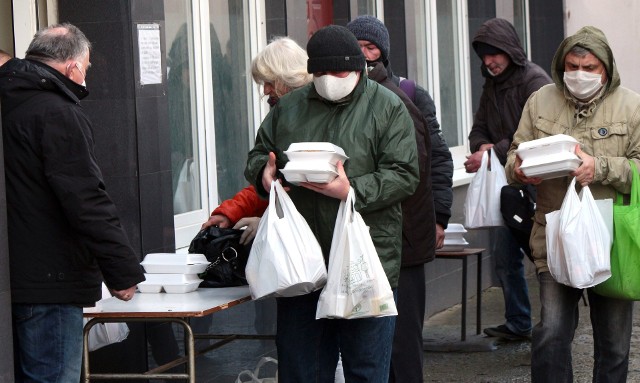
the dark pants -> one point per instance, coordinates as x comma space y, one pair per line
407, 352
611, 321
308, 348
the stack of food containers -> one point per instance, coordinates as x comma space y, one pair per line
312, 162
172, 273
549, 157
454, 237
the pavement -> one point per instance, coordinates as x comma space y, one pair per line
484, 359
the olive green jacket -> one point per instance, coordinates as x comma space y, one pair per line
375, 130
608, 128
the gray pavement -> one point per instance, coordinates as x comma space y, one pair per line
483, 359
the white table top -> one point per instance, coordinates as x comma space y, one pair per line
201, 302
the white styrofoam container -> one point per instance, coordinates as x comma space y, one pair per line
183, 288
454, 231
173, 263
551, 169
316, 151
170, 283
547, 146
455, 244
309, 171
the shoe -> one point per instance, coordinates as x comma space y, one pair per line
503, 332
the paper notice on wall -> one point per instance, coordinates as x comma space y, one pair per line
150, 54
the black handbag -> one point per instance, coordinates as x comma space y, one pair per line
227, 256
518, 205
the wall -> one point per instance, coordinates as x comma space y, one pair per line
618, 19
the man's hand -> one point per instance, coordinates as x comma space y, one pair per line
220, 220
124, 295
439, 236
521, 177
473, 162
338, 188
587, 170
269, 172
250, 232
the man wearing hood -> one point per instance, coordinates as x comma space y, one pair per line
586, 102
509, 81
372, 125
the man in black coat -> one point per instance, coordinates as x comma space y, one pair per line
65, 236
425, 214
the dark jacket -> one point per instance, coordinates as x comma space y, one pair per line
418, 217
503, 96
441, 160
373, 127
63, 228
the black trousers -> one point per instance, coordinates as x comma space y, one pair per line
407, 353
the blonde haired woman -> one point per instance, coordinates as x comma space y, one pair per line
279, 68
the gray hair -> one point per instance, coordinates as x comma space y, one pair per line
281, 62
579, 51
58, 43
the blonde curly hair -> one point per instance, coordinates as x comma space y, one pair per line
282, 63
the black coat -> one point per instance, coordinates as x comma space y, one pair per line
64, 230
441, 160
418, 216
503, 96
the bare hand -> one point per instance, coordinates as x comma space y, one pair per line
586, 172
124, 295
338, 188
249, 233
219, 220
473, 162
523, 178
269, 172
439, 236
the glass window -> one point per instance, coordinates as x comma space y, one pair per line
449, 73
185, 163
231, 81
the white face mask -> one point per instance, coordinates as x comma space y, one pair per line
583, 85
335, 88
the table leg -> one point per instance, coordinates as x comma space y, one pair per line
463, 330
479, 295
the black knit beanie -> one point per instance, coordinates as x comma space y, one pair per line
371, 29
485, 49
334, 49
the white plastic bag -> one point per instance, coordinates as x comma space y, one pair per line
285, 259
248, 376
482, 204
578, 241
104, 334
357, 286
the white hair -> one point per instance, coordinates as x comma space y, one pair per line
282, 63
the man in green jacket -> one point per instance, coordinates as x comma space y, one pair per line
586, 102
372, 125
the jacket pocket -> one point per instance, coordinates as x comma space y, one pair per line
610, 140
546, 128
